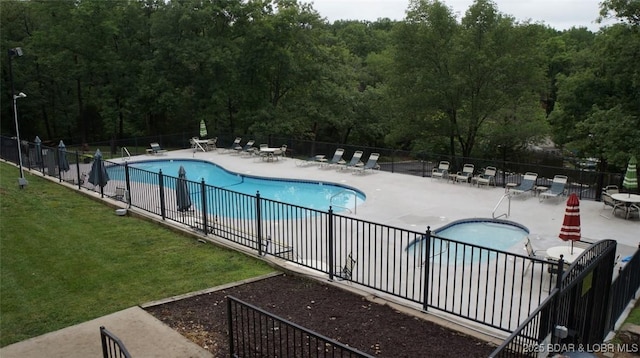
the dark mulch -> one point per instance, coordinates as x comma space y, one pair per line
346, 317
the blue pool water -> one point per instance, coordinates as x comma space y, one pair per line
309, 194
487, 233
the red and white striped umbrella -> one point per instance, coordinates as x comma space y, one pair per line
570, 230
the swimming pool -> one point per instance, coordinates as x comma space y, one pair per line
487, 233
308, 194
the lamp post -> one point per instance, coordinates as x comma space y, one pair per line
13, 53
21, 181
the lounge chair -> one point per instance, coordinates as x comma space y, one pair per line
246, 149
155, 149
527, 184
337, 158
442, 171
486, 178
465, 175
557, 188
372, 163
354, 162
315, 160
234, 146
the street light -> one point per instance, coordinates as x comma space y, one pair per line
12, 53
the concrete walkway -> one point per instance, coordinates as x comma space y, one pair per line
142, 334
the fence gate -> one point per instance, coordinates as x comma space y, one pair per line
583, 300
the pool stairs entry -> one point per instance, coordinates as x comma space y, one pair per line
355, 200
506, 215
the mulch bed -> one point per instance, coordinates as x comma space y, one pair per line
346, 317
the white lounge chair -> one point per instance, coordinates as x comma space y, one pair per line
486, 178
371, 164
337, 158
234, 146
557, 188
354, 162
441, 172
464, 175
527, 184
155, 149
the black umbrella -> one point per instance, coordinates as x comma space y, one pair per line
63, 163
182, 191
38, 142
98, 175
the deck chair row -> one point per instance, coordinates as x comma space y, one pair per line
338, 161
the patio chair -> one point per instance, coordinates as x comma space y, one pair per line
465, 175
282, 152
487, 177
557, 188
346, 272
315, 160
155, 149
337, 158
527, 184
442, 171
354, 162
372, 163
533, 254
211, 144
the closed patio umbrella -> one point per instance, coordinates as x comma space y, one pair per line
631, 176
98, 175
38, 142
63, 163
203, 129
570, 230
182, 191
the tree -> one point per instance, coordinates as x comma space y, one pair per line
458, 78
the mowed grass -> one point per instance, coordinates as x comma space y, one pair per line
66, 259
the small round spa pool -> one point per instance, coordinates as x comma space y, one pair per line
466, 235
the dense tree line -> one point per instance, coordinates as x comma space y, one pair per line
479, 85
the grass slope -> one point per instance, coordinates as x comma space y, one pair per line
65, 259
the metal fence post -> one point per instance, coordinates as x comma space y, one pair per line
127, 183
161, 187
258, 223
330, 244
232, 348
203, 195
427, 263
78, 175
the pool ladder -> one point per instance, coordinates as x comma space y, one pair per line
493, 214
123, 152
355, 200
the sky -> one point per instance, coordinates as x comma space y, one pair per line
559, 14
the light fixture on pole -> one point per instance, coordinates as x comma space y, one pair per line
12, 53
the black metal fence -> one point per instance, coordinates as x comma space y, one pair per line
624, 287
254, 332
495, 288
112, 346
575, 315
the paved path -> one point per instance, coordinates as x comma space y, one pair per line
142, 334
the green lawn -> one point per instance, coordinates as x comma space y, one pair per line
65, 259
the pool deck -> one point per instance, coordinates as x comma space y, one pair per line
414, 203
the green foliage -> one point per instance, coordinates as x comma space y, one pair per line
68, 259
96, 70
